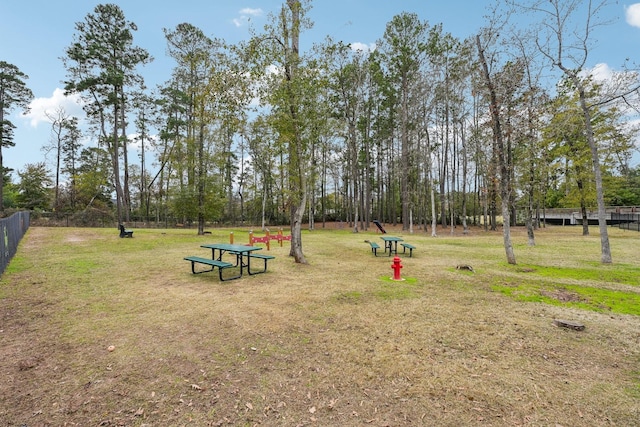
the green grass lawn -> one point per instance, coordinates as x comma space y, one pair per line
99, 330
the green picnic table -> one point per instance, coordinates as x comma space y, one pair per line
391, 244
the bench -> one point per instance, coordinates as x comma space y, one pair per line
406, 246
213, 263
263, 257
125, 233
374, 247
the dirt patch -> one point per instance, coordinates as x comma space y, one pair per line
563, 295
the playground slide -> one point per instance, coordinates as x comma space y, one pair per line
380, 227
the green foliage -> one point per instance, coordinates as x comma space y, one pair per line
34, 188
553, 198
14, 93
91, 185
10, 195
98, 214
184, 203
344, 128
572, 182
623, 190
101, 67
102, 59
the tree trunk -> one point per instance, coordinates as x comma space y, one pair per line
126, 193
583, 204
295, 147
465, 226
404, 159
529, 211
602, 213
434, 216
504, 170
200, 181
115, 164
296, 230
442, 180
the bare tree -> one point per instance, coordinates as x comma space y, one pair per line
64, 144
496, 124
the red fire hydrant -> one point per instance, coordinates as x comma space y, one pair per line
396, 268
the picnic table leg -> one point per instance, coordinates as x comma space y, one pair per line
193, 269
222, 279
213, 256
242, 264
257, 272
239, 261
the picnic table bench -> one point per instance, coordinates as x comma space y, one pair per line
374, 247
406, 246
213, 263
260, 256
124, 232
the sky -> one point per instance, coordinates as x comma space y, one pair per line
35, 33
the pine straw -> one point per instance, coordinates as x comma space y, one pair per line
332, 343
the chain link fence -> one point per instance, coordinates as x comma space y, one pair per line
12, 229
626, 221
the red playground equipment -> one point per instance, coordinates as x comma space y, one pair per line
266, 239
281, 237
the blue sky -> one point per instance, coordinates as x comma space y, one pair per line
34, 35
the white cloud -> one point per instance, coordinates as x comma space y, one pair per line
251, 12
633, 15
135, 141
601, 72
273, 69
40, 107
245, 16
362, 47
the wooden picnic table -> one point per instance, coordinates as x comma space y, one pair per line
391, 244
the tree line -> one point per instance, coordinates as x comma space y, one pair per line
425, 130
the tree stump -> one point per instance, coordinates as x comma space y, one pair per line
569, 324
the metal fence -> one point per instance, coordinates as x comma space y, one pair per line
626, 221
12, 229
